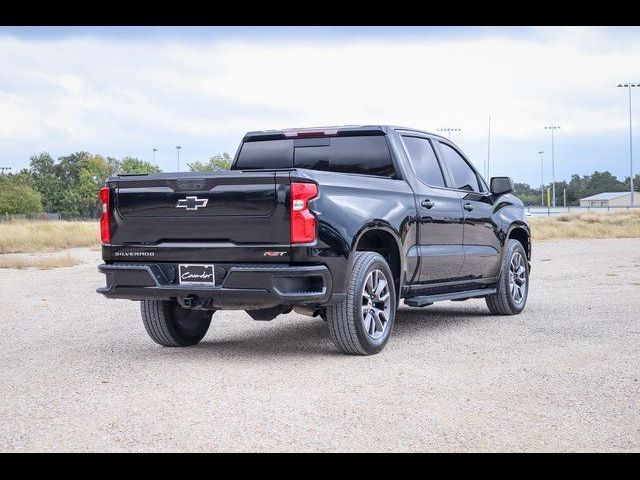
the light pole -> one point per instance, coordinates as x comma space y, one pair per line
486, 175
154, 155
178, 149
2, 169
541, 153
629, 86
553, 165
449, 130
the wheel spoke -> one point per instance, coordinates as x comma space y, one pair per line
382, 284
369, 285
378, 322
368, 322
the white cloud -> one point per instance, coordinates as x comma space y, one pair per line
127, 94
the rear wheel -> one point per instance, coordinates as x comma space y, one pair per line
513, 286
362, 323
170, 325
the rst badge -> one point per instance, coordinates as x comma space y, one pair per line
192, 203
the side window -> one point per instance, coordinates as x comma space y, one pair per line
464, 178
367, 155
424, 161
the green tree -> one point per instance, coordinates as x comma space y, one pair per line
130, 165
636, 183
93, 174
599, 182
47, 181
574, 190
71, 185
527, 194
221, 161
17, 195
113, 165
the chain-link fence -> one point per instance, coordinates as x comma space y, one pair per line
44, 217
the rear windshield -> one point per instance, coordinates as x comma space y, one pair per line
368, 155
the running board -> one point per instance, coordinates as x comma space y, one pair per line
425, 300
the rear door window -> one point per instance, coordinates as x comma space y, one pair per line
464, 177
424, 161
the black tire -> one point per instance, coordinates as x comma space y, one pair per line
503, 302
347, 319
170, 325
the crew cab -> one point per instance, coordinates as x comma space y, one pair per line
340, 223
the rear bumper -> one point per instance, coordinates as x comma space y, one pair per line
236, 287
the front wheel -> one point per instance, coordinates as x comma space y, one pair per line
513, 286
170, 325
362, 323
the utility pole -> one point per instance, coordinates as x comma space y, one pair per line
541, 153
2, 169
629, 86
553, 164
449, 130
178, 149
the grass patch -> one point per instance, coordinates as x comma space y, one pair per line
39, 263
28, 237
624, 224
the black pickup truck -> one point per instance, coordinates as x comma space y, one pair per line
339, 223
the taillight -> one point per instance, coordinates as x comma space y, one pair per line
105, 230
303, 222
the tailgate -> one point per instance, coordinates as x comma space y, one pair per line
231, 207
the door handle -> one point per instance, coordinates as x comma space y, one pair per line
467, 207
426, 203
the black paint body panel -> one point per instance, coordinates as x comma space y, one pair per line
441, 249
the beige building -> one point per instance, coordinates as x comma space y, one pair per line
608, 199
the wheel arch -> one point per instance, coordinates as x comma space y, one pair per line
380, 237
521, 232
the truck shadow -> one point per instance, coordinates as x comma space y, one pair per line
306, 336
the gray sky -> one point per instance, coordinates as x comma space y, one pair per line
123, 91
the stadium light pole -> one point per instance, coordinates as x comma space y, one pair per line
488, 164
541, 153
629, 86
553, 165
449, 130
178, 149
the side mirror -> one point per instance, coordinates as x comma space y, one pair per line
501, 185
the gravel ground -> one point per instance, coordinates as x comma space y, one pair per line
78, 372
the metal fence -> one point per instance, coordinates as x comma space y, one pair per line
550, 211
42, 217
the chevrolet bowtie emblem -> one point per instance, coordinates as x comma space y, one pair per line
192, 203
